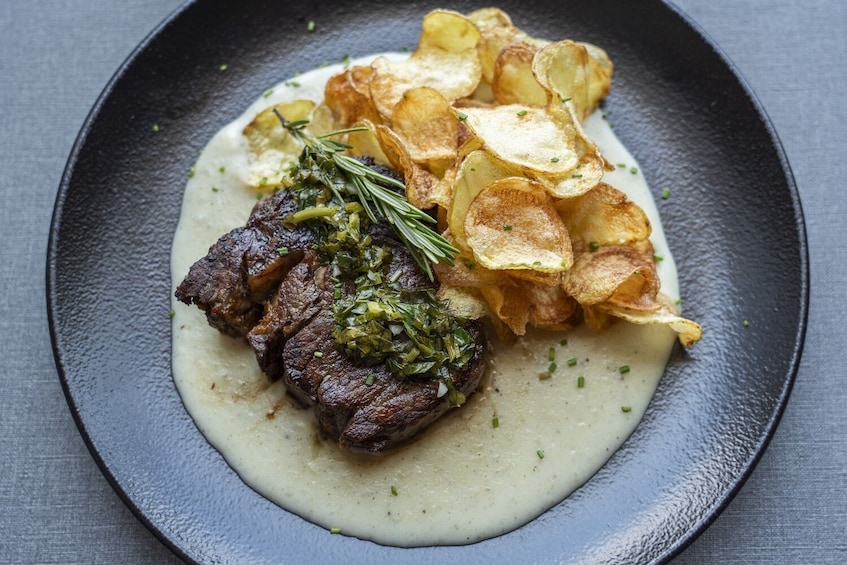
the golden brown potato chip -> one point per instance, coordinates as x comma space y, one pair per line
420, 183
550, 308
576, 72
545, 144
603, 216
446, 60
270, 145
512, 224
347, 94
514, 81
509, 304
619, 274
689, 332
477, 171
425, 121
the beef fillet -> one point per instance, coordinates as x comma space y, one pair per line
282, 304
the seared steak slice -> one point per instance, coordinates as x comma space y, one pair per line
231, 283
301, 295
361, 417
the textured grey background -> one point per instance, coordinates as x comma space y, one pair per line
56, 56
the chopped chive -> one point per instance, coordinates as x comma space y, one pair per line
571, 361
552, 368
259, 196
540, 453
346, 61
172, 313
335, 530
215, 189
568, 99
155, 128
678, 301
624, 369
576, 176
563, 342
543, 376
268, 92
310, 26
507, 227
666, 192
292, 84
191, 172
495, 422
633, 170
745, 323
283, 251
263, 181
554, 159
522, 113
621, 165
222, 68
551, 354
580, 382
593, 246
318, 354
626, 408
222, 169
658, 258
370, 379
462, 116
393, 490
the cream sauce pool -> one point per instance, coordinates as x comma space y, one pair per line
519, 446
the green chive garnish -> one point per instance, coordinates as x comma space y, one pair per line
370, 379
593, 246
571, 361
507, 227
666, 192
580, 382
172, 313
335, 530
393, 490
268, 92
626, 408
540, 453
222, 68
624, 369
495, 422
522, 113
310, 26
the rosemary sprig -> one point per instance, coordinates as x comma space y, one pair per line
373, 190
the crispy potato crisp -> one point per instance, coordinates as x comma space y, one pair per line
484, 122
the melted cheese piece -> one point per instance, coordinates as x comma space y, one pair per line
463, 479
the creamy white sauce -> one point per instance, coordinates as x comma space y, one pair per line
462, 480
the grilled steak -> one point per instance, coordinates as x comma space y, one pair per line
242, 269
283, 305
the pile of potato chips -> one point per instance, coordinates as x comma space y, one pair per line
484, 123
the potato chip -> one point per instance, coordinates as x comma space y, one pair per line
477, 171
603, 216
513, 81
425, 121
497, 32
347, 94
544, 144
689, 332
612, 274
512, 224
510, 305
446, 60
567, 69
550, 308
463, 302
420, 183
271, 146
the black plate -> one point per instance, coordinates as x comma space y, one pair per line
733, 220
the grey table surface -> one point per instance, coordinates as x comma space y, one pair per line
56, 56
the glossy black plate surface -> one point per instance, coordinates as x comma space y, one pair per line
733, 222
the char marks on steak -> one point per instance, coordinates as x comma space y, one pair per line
283, 304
